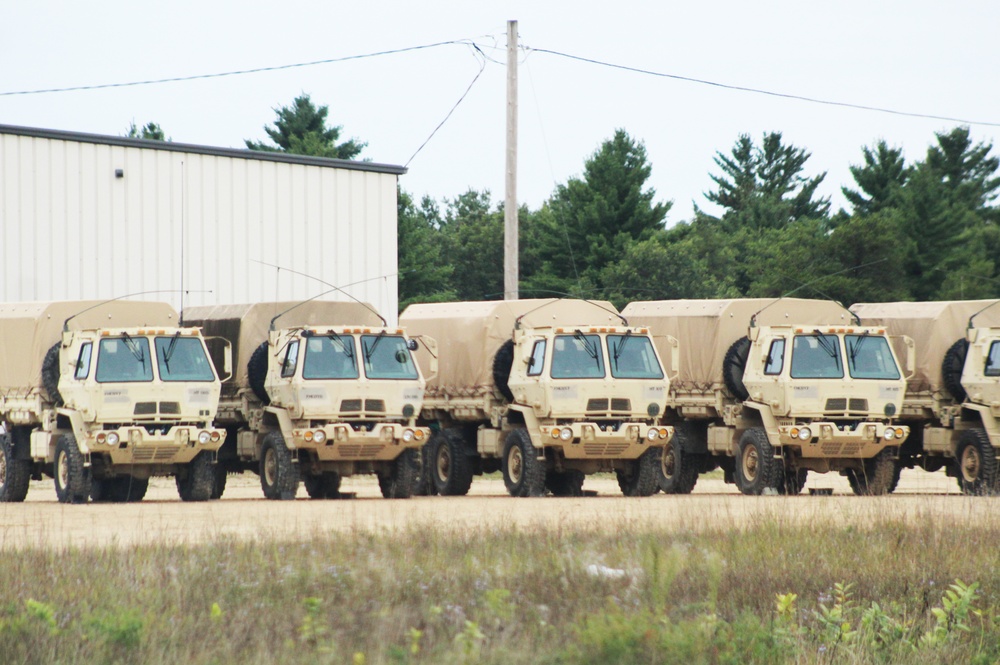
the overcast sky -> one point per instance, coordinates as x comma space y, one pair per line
920, 57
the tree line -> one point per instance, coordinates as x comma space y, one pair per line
926, 230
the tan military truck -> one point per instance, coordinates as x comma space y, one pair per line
770, 389
545, 391
322, 390
103, 395
952, 400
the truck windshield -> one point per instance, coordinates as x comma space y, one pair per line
124, 360
182, 359
632, 357
870, 357
577, 356
330, 357
816, 357
386, 357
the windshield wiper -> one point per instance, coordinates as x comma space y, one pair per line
829, 347
620, 348
369, 351
591, 351
857, 346
347, 350
131, 345
168, 353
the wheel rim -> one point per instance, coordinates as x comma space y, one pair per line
668, 462
63, 474
515, 464
750, 463
270, 467
443, 463
971, 464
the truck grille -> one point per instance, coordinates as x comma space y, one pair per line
842, 405
599, 405
375, 405
149, 409
841, 449
604, 449
349, 405
361, 451
154, 453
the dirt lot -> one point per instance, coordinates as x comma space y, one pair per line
243, 513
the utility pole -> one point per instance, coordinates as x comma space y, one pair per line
510, 245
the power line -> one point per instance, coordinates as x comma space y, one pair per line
460, 99
239, 72
759, 91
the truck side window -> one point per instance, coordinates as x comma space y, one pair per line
993, 360
83, 362
537, 360
775, 358
291, 360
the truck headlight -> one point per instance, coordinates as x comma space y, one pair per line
113, 438
566, 434
319, 436
204, 437
805, 434
652, 434
889, 434
407, 435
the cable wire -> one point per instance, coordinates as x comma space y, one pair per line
812, 100
482, 67
238, 72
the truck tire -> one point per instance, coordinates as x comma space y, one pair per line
951, 369
641, 477
50, 375
257, 373
523, 472
279, 474
976, 463
425, 479
794, 481
71, 477
678, 469
503, 361
877, 477
196, 481
401, 479
757, 469
733, 364
219, 487
565, 483
15, 474
451, 468
324, 485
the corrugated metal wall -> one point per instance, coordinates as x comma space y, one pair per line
71, 229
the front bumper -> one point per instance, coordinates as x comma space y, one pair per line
179, 444
345, 442
828, 440
589, 441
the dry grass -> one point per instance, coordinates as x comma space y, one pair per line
436, 596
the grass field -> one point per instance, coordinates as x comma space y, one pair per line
773, 592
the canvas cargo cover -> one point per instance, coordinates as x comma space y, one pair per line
933, 326
246, 326
468, 334
705, 329
29, 329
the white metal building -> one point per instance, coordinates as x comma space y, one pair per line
84, 216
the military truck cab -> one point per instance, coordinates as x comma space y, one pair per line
116, 403
825, 394
322, 390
